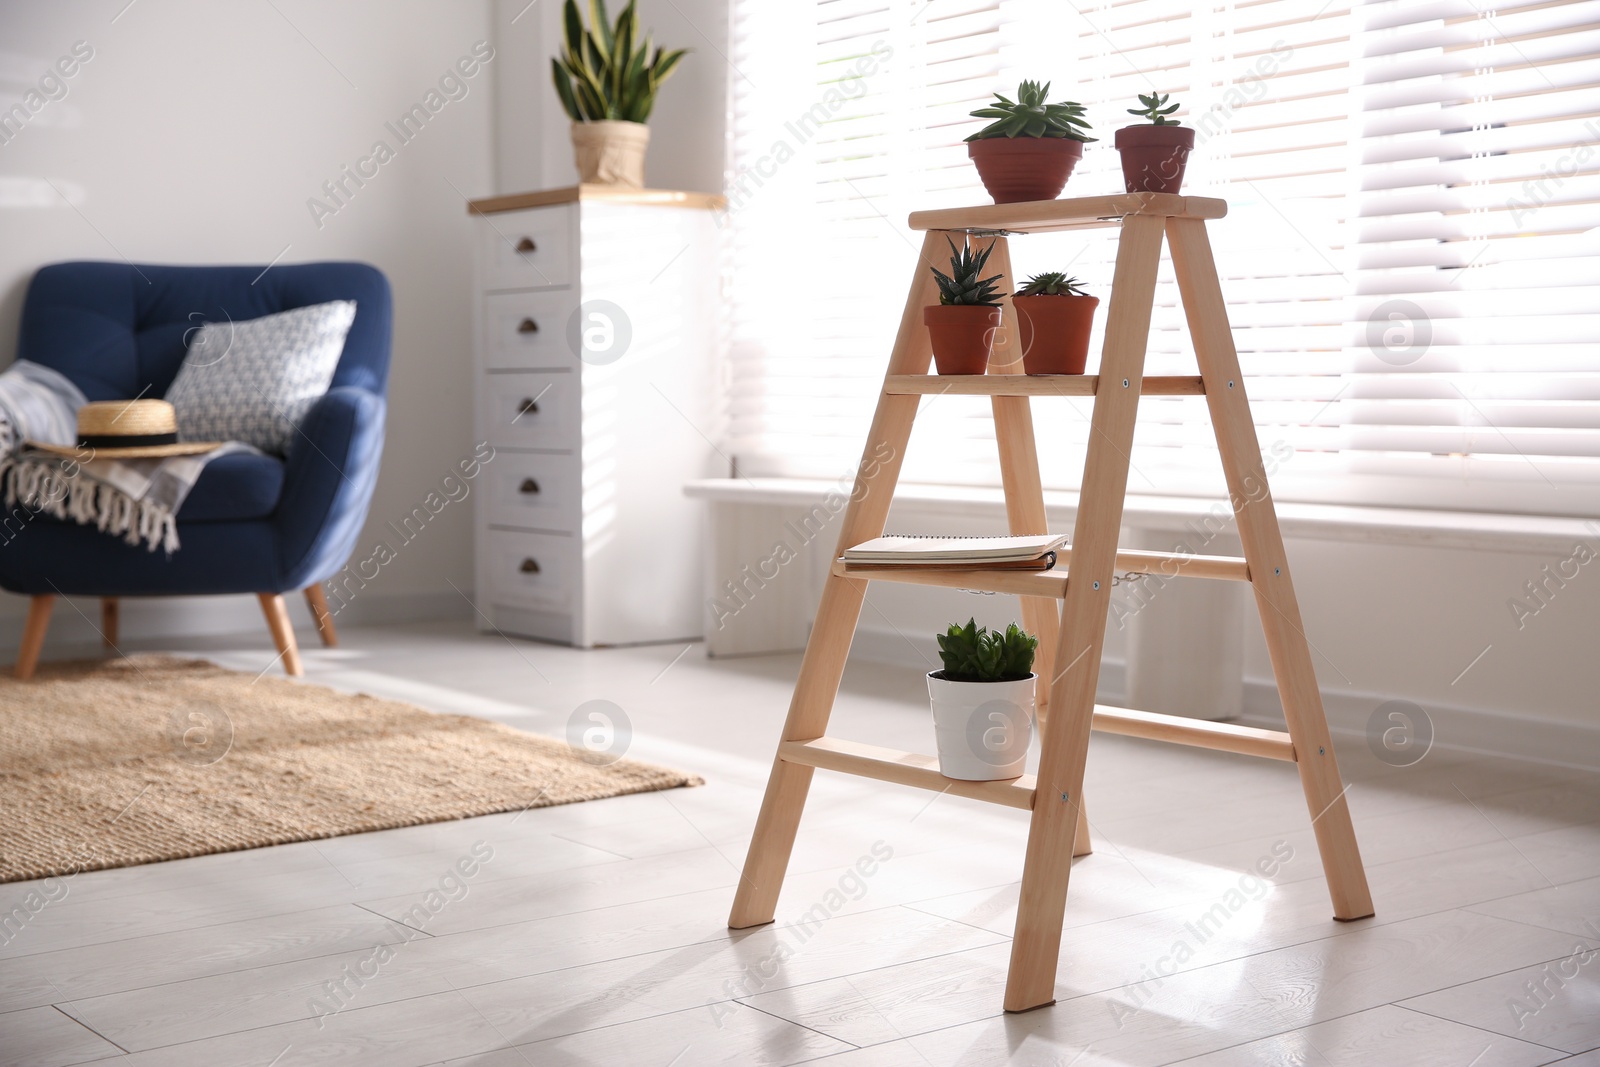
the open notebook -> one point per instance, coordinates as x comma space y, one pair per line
1025, 552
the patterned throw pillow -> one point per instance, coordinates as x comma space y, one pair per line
252, 381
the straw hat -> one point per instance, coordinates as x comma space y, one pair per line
128, 429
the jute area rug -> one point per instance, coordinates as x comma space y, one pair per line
120, 762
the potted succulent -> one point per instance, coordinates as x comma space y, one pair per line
983, 701
1154, 155
607, 77
1054, 317
1029, 151
962, 325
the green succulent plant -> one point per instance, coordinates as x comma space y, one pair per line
1030, 116
1155, 109
962, 285
1052, 283
607, 71
974, 653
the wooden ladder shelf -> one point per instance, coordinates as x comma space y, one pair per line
1081, 582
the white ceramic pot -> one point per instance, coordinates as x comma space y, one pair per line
610, 152
982, 728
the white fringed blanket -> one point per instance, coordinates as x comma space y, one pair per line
136, 499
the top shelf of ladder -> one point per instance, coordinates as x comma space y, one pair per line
1076, 213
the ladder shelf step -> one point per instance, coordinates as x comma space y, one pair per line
921, 771
1033, 385
1196, 733
1053, 582
903, 768
1073, 213
1049, 584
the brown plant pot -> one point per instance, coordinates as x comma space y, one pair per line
962, 336
1017, 169
1153, 157
1055, 332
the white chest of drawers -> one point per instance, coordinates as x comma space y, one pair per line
596, 344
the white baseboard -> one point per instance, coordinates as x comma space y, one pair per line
1476, 731
75, 621
1473, 731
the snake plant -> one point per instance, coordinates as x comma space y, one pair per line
1030, 116
607, 71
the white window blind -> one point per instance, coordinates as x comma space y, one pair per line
1477, 234
1410, 257
846, 115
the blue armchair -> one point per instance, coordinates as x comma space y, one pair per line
252, 523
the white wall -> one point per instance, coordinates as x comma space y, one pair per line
686, 129
196, 134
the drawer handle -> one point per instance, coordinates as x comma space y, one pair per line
527, 326
529, 406
528, 486
526, 245
529, 566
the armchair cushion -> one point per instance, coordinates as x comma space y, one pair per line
241, 485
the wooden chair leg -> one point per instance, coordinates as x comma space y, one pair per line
277, 613
110, 616
33, 634
317, 601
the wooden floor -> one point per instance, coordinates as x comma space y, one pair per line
595, 933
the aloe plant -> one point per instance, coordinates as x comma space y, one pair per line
974, 653
1030, 116
1156, 110
1052, 283
607, 71
963, 284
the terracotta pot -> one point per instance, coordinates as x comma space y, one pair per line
1055, 332
1153, 157
609, 152
962, 336
1016, 169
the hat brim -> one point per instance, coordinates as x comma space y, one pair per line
84, 455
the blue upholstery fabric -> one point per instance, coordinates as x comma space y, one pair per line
244, 485
252, 524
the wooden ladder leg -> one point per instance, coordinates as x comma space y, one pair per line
277, 613
1262, 540
1024, 489
756, 899
110, 617
317, 601
33, 631
1058, 802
